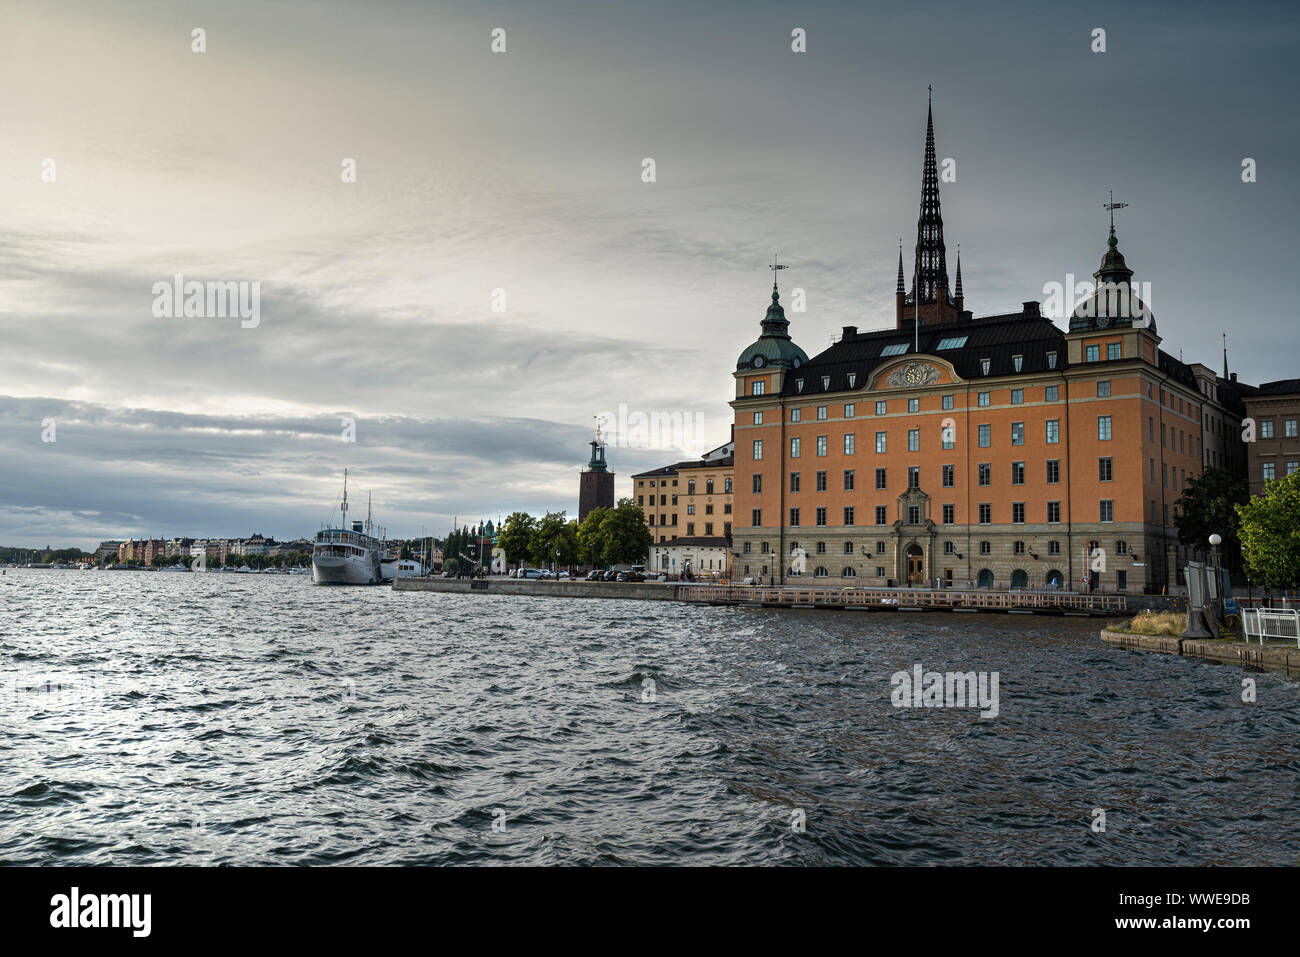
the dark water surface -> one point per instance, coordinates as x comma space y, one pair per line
249, 719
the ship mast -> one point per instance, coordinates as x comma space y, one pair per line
344, 507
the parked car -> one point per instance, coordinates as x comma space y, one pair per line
610, 576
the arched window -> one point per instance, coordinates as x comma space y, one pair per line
847, 572
985, 578
1019, 578
1055, 579
821, 572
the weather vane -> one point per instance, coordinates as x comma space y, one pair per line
776, 265
1112, 206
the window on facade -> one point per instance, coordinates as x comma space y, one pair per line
756, 517
1107, 510
758, 418
982, 398
985, 436
986, 513
848, 443
1104, 470
984, 366
948, 476
1050, 393
1121, 548
1018, 513
821, 516
986, 473
794, 481
1103, 388
794, 516
826, 383
690, 509
1017, 396
1112, 350
881, 516
690, 487
986, 548
949, 514
1270, 471
953, 342
821, 481
1053, 431
1053, 512
880, 408
1289, 428
796, 415
821, 445
1091, 353
1017, 473
794, 448
848, 480
880, 442
1017, 433
913, 477
1053, 471
947, 402
758, 485
913, 515
897, 349
1017, 363
949, 548
913, 405
913, 440
1053, 548
758, 449
1266, 428
848, 518
1018, 548
798, 385
880, 478
821, 411
1103, 428
848, 406
726, 487
1051, 360
708, 486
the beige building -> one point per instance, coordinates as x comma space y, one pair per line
690, 499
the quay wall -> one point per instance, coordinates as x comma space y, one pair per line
640, 591
1282, 658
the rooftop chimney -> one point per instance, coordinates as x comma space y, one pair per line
849, 332
1031, 309
1234, 377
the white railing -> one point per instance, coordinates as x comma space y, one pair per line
1261, 623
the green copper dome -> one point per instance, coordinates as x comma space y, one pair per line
1115, 301
774, 347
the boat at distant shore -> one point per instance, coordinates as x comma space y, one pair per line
351, 555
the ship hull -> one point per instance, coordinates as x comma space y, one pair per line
335, 570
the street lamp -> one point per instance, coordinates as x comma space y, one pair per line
1215, 541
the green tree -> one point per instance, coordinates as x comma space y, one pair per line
628, 538
1209, 505
554, 540
516, 536
1270, 533
592, 538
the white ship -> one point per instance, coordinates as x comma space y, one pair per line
349, 555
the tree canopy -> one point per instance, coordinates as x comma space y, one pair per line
1270, 533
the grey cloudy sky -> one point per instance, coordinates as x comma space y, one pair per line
521, 171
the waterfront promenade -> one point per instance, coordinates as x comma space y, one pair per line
787, 596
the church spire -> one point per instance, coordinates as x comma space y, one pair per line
899, 290
931, 258
958, 291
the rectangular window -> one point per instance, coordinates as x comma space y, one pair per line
758, 449
1053, 548
794, 481
690, 528
1049, 393
794, 448
913, 515
982, 399
880, 408
794, 516
1017, 433
1017, 363
1103, 428
953, 342
1053, 431
1289, 428
984, 367
821, 411
821, 481
848, 443
1053, 471
758, 485
913, 440
949, 514
756, 517
848, 516
881, 517
913, 477
796, 415
1104, 470
1017, 513
913, 405
821, 445
986, 513
1053, 513
1051, 360
821, 516
1107, 510
1103, 388
848, 406
985, 436
1270, 471
947, 402
948, 475
880, 478
986, 473
880, 442
897, 349
1017, 473
1112, 350
1091, 353
1266, 428
1017, 396
986, 548
848, 480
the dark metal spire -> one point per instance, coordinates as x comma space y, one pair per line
899, 291
931, 259
958, 292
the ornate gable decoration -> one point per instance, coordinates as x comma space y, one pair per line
913, 374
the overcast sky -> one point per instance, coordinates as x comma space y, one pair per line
522, 172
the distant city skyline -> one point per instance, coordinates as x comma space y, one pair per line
514, 180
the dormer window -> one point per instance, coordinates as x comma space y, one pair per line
826, 383
984, 367
756, 387
798, 385
852, 379
1051, 360
1017, 362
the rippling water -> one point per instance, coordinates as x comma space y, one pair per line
175, 719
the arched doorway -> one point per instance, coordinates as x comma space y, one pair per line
1019, 578
915, 565
985, 578
1055, 579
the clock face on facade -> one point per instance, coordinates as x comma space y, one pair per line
758, 362
914, 375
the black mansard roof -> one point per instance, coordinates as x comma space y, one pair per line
686, 466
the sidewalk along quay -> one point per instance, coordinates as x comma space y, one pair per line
785, 596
